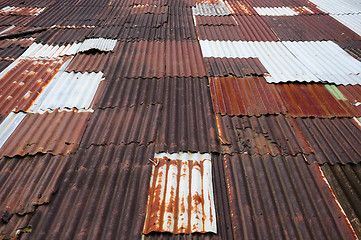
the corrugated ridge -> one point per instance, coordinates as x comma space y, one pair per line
11, 49
282, 197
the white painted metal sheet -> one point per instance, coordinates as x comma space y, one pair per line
41, 51
210, 10
352, 21
9, 125
275, 11
318, 61
338, 6
101, 44
181, 194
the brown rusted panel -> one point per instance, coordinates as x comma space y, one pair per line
103, 196
22, 11
265, 135
239, 67
10, 20
245, 96
181, 25
353, 94
55, 133
150, 9
310, 28
336, 140
11, 49
240, 7
137, 124
282, 197
187, 122
314, 100
354, 52
27, 182
345, 181
215, 21
4, 64
21, 85
249, 28
63, 35
13, 226
146, 20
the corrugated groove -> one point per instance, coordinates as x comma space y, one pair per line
10, 20
151, 9
105, 190
265, 135
56, 133
352, 21
219, 9
333, 140
187, 122
282, 197
180, 196
10, 49
245, 96
239, 67
345, 181
356, 53
215, 21
63, 36
338, 6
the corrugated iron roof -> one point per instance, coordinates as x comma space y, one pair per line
187, 120
338, 6
352, 21
334, 140
345, 181
180, 196
56, 133
8, 125
264, 135
206, 9
282, 11
63, 36
22, 11
215, 21
353, 94
11, 49
282, 197
245, 96
239, 67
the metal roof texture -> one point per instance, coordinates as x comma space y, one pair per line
352, 21
338, 7
265, 135
282, 197
56, 133
12, 49
181, 198
345, 181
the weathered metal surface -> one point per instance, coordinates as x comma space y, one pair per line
215, 21
11, 49
245, 96
265, 135
123, 126
353, 94
68, 91
354, 52
282, 3
334, 140
338, 6
45, 51
150, 9
282, 197
210, 10
315, 100
181, 25
180, 196
247, 29
23, 83
63, 36
8, 126
352, 21
55, 133
239, 67
310, 28
10, 20
293, 61
282, 11
100, 44
345, 181
240, 7
21, 11
104, 190
4, 64
187, 121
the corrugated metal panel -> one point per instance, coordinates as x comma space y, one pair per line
345, 181
352, 21
310, 28
211, 10
245, 96
146, 20
277, 11
152, 9
63, 36
356, 53
281, 3
293, 61
282, 198
180, 196
353, 94
100, 44
215, 21
10, 49
8, 126
102, 196
27, 182
314, 100
187, 122
38, 50
181, 25
4, 64
23, 11
338, 6
122, 126
239, 67
56, 133
240, 7
249, 28
265, 135
132, 92
9, 20
67, 91
334, 140
23, 83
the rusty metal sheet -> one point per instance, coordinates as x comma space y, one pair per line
239, 67
146, 20
282, 197
23, 83
310, 28
315, 100
4, 64
187, 122
356, 53
149, 9
247, 29
334, 140
104, 191
181, 25
21, 11
63, 35
9, 20
180, 198
214, 21
240, 7
353, 94
125, 125
345, 181
12, 49
55, 133
265, 135
245, 96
